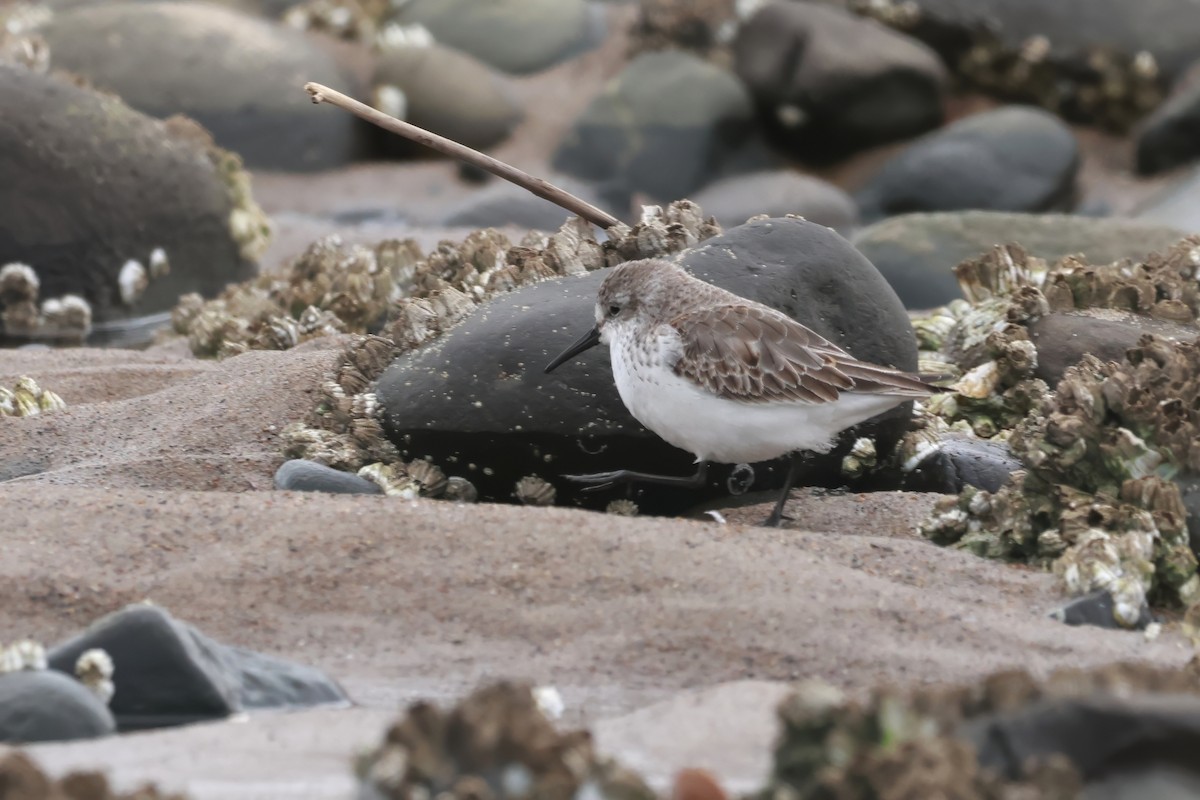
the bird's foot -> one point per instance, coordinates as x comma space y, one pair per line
600, 481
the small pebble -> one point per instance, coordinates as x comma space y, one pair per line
299, 475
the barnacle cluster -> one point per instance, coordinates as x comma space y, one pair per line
1105, 453
905, 744
67, 319
497, 744
1096, 84
703, 27
397, 300
21, 655
27, 399
21, 777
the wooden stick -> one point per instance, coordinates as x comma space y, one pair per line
449, 147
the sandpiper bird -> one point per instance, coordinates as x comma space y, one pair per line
725, 378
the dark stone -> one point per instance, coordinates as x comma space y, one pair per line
663, 127
473, 173
917, 253
239, 76
299, 475
961, 462
86, 184
830, 83
1171, 135
778, 193
47, 706
1063, 338
1167, 29
1101, 735
478, 403
1178, 205
168, 673
516, 36
1096, 609
448, 93
1010, 159
504, 203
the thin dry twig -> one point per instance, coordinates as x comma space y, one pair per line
449, 147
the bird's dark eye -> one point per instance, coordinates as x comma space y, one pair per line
614, 310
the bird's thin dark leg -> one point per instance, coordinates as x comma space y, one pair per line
605, 480
792, 473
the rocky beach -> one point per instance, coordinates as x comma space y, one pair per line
283, 511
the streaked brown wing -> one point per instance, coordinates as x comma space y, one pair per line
755, 355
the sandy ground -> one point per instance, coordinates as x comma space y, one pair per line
155, 485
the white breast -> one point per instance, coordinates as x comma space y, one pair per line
718, 429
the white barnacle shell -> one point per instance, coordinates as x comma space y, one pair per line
25, 396
622, 508
8, 403
24, 654
94, 669
365, 405
18, 282
980, 382
534, 491
391, 100
549, 701
429, 477
132, 281
395, 35
860, 459
393, 479
159, 265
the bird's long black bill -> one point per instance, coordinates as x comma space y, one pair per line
585, 342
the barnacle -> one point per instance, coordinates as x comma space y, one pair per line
23, 654
460, 490
27, 399
429, 478
94, 668
534, 491
622, 508
861, 459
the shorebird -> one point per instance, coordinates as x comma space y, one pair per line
727, 379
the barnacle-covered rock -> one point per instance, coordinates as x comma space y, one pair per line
27, 399
705, 28
337, 450
496, 744
954, 740
21, 777
1105, 72
430, 479
1098, 497
861, 459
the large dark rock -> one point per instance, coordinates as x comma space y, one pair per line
241, 77
87, 184
778, 193
476, 400
1171, 135
47, 706
1096, 609
1102, 735
917, 253
663, 127
448, 93
168, 673
830, 83
1010, 159
516, 36
960, 462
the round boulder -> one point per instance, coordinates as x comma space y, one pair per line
1011, 159
663, 127
476, 401
239, 76
47, 706
917, 253
89, 185
448, 93
778, 193
830, 83
516, 36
